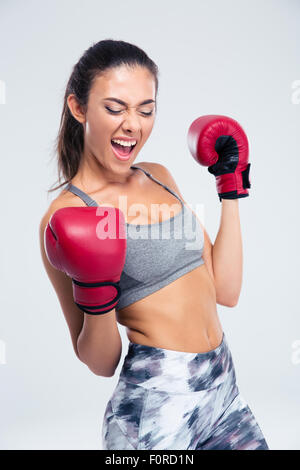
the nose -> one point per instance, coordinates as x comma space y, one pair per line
132, 122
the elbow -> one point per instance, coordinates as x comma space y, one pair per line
234, 300
231, 302
227, 297
102, 373
101, 368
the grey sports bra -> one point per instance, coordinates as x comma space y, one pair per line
156, 254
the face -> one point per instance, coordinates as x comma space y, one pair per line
106, 119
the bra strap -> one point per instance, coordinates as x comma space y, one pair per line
87, 199
162, 184
92, 203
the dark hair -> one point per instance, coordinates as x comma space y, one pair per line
101, 56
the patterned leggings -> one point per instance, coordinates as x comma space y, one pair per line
168, 399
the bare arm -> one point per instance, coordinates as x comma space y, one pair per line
99, 343
227, 254
96, 339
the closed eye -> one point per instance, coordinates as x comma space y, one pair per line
117, 112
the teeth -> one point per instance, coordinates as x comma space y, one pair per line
122, 142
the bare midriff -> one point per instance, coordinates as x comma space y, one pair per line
181, 316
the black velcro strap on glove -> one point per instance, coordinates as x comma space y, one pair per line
86, 308
245, 176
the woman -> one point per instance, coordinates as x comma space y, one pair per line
177, 387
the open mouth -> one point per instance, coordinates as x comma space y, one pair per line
121, 151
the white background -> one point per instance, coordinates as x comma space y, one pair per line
237, 58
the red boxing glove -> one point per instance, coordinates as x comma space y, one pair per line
220, 143
78, 243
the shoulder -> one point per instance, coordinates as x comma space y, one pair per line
53, 207
64, 199
153, 167
162, 173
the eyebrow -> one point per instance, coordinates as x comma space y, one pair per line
124, 104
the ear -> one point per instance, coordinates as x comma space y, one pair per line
75, 108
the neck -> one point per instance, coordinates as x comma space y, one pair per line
92, 175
